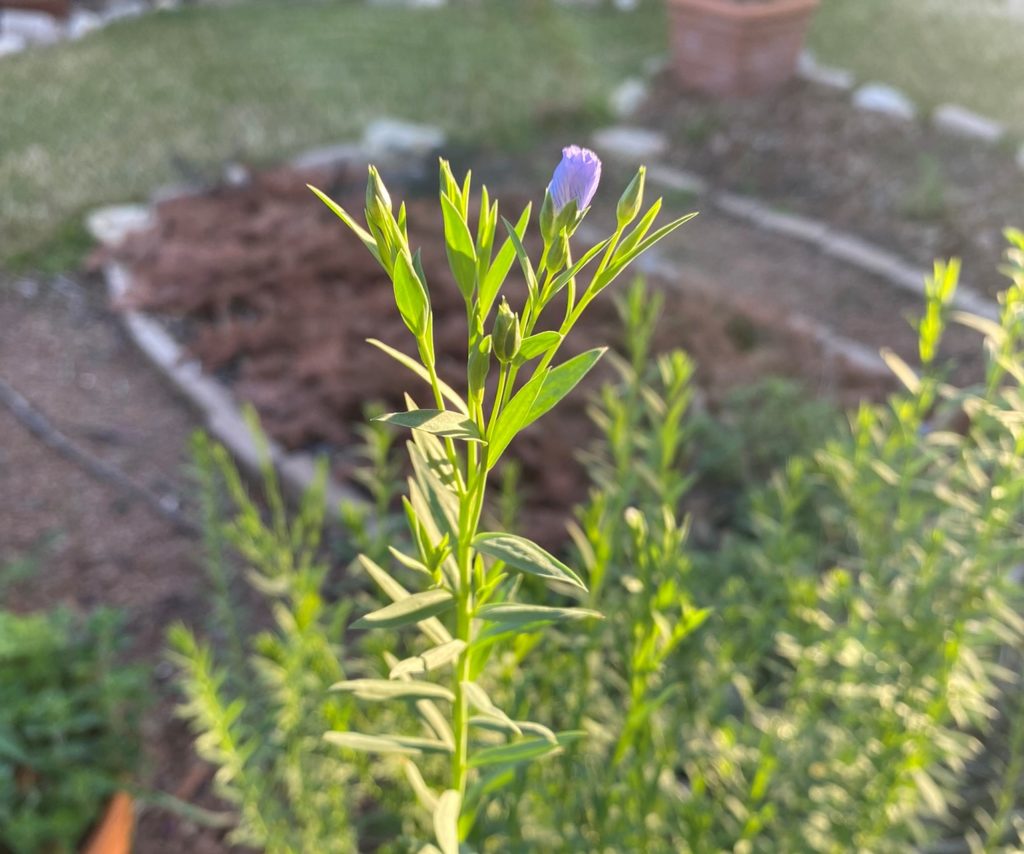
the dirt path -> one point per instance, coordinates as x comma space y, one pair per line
86, 543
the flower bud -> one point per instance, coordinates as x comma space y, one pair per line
575, 179
378, 200
507, 336
632, 199
479, 365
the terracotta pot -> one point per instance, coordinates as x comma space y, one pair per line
723, 47
56, 8
113, 834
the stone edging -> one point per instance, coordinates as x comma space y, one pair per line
840, 245
220, 411
948, 118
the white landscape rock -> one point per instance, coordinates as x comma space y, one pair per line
111, 225
329, 156
33, 27
824, 75
81, 23
627, 142
627, 97
960, 121
879, 98
124, 11
11, 43
393, 137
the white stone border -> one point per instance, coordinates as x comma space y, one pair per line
219, 408
950, 119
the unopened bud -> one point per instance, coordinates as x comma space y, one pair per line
632, 199
507, 336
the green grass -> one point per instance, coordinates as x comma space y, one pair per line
962, 51
114, 116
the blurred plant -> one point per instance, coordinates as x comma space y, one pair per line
854, 659
465, 574
927, 198
260, 717
69, 735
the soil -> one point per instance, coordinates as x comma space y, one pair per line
903, 185
272, 293
82, 543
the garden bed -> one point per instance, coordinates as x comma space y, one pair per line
901, 184
275, 298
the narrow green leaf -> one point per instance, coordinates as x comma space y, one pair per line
432, 659
498, 271
561, 380
378, 690
524, 258
513, 754
536, 345
631, 240
408, 562
446, 821
410, 294
404, 744
904, 373
512, 613
438, 422
514, 417
526, 556
347, 218
432, 627
564, 278
479, 700
420, 371
436, 506
459, 246
624, 256
660, 234
415, 609
419, 786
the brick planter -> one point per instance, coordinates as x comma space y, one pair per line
735, 48
56, 8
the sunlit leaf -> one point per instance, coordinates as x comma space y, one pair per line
526, 556
377, 690
418, 607
438, 422
405, 744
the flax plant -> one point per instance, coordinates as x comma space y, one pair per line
466, 603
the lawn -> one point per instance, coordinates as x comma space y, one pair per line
171, 96
961, 51
168, 96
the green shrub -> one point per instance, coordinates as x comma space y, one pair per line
834, 670
69, 715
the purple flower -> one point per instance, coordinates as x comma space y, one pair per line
576, 178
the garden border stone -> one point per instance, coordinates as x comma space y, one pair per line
220, 412
843, 246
